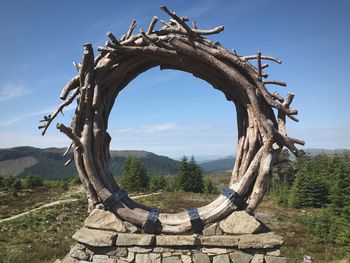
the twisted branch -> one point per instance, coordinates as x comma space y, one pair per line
175, 46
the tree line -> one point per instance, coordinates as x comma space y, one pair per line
320, 182
188, 179
30, 181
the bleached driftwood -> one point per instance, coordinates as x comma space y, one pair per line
261, 134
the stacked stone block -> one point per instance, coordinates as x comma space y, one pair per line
240, 238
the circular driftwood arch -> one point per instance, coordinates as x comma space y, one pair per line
261, 131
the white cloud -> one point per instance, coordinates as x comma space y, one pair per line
163, 127
151, 128
11, 91
168, 127
174, 140
19, 118
322, 137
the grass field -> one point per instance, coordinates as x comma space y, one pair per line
45, 235
26, 199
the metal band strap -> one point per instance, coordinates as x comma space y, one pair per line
234, 197
116, 197
119, 195
152, 223
153, 215
196, 221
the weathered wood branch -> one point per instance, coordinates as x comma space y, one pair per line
68, 149
131, 28
174, 46
77, 66
151, 25
69, 162
50, 118
277, 60
113, 38
179, 21
68, 131
277, 96
72, 84
280, 83
212, 31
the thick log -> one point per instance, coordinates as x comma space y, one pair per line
175, 46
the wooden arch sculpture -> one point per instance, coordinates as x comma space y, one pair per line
261, 131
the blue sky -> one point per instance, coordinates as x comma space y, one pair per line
170, 112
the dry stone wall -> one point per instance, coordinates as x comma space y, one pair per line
238, 238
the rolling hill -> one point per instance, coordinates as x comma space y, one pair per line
49, 163
218, 165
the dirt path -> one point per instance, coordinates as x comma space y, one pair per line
58, 203
38, 208
143, 195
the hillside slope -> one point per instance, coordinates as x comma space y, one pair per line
218, 165
49, 163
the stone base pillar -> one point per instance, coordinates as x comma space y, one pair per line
106, 239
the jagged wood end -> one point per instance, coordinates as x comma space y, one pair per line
261, 132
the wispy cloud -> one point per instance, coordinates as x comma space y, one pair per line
167, 127
11, 91
162, 127
323, 137
151, 128
21, 117
174, 139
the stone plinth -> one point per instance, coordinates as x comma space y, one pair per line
220, 243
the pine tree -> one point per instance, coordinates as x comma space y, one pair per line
134, 176
32, 181
189, 177
208, 187
282, 172
309, 188
340, 191
157, 183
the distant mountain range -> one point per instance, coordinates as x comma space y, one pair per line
218, 165
49, 163
315, 151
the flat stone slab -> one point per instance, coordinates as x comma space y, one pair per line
94, 237
212, 230
199, 257
103, 259
275, 253
272, 259
240, 222
258, 258
140, 249
265, 240
130, 227
221, 241
221, 259
135, 240
240, 257
214, 251
78, 252
173, 240
129, 258
101, 219
186, 259
172, 259
148, 258
69, 259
